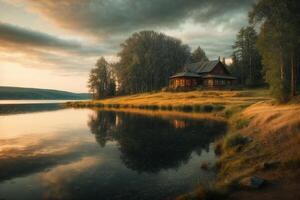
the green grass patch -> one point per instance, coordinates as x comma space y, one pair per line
242, 123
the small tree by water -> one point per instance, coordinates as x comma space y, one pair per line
101, 82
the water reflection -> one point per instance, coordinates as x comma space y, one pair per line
150, 144
59, 181
29, 155
85, 154
6, 109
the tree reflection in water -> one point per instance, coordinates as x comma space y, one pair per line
150, 144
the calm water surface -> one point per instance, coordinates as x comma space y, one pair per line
88, 154
39, 101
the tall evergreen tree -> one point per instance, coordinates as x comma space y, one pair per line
278, 43
198, 55
246, 59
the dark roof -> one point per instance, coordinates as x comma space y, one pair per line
201, 67
218, 76
186, 74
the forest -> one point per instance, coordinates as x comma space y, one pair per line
265, 53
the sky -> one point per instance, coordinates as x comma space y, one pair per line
54, 44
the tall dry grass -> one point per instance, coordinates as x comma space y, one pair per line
277, 127
273, 133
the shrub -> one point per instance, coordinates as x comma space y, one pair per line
242, 123
142, 106
186, 108
197, 108
116, 105
100, 105
163, 107
218, 107
152, 107
208, 108
234, 140
169, 107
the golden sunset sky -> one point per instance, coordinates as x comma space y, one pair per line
54, 43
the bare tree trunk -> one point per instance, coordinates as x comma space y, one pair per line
281, 66
293, 76
251, 71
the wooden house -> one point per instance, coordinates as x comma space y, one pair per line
209, 74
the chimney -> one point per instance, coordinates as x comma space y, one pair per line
223, 61
219, 58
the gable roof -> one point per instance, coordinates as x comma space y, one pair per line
186, 74
201, 67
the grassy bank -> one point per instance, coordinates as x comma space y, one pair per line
263, 141
194, 101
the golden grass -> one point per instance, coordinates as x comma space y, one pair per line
162, 100
275, 134
183, 98
168, 114
277, 128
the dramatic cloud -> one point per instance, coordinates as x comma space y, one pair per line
11, 34
68, 36
23, 36
103, 18
33, 48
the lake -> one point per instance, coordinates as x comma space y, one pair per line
100, 154
38, 101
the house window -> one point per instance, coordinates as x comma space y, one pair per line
216, 82
177, 83
188, 83
182, 82
194, 82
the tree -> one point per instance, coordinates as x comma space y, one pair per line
246, 59
147, 60
101, 82
198, 56
278, 43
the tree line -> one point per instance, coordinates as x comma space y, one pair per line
246, 61
272, 55
147, 60
265, 52
279, 44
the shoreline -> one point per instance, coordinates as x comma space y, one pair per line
243, 153
192, 101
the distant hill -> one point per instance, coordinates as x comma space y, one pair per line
34, 93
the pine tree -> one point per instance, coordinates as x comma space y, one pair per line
247, 60
278, 43
198, 56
